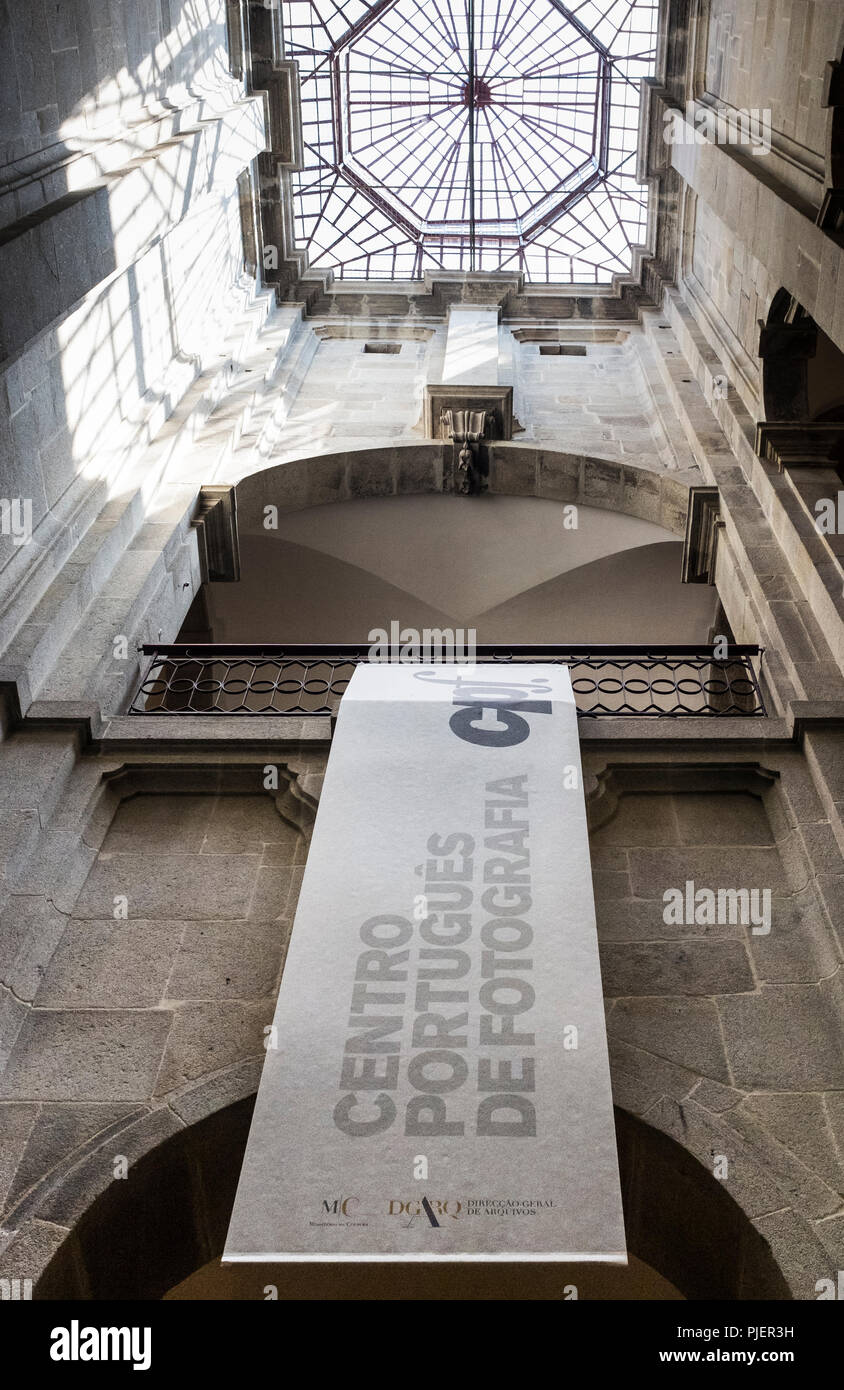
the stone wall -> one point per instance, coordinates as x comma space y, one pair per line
74, 72
143, 936
599, 401
122, 136
126, 1030
767, 55
733, 290
727, 1040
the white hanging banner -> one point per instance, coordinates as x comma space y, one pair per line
439, 1088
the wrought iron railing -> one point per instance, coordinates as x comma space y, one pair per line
296, 680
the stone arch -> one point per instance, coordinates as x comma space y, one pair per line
680, 1219
802, 368
786, 343
620, 503
520, 470
80, 1232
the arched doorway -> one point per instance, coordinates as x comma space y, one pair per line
141, 1238
563, 548
802, 368
512, 569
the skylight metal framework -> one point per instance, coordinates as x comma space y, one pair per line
470, 135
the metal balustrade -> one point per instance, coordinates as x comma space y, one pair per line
662, 682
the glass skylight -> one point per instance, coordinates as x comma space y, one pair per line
425, 150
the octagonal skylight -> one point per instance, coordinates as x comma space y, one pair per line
498, 135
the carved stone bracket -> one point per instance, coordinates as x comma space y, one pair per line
470, 461
215, 522
703, 523
830, 215
497, 401
801, 444
469, 416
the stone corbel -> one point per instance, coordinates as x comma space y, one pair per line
496, 401
215, 523
831, 212
703, 523
470, 460
801, 444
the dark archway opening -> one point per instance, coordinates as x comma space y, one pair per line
802, 368
143, 1236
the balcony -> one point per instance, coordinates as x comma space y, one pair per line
663, 682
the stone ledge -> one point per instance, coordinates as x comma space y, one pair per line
134, 730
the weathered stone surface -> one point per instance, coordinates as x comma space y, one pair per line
247, 825
782, 1038
112, 963
104, 1055
12, 1015
16, 1123
799, 1124
57, 870
666, 1078
229, 960
797, 1250
214, 1092
170, 886
610, 884
833, 1102
681, 1030
293, 850
631, 1093
722, 818
831, 1235
715, 1097
419, 469
368, 479
74, 1191
30, 929
642, 919
745, 1174
654, 870
559, 476
798, 949
273, 891
513, 471
607, 856
206, 1037
641, 820
59, 1131
688, 967
149, 824
601, 482
30, 1250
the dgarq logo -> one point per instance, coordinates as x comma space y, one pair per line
436, 1210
